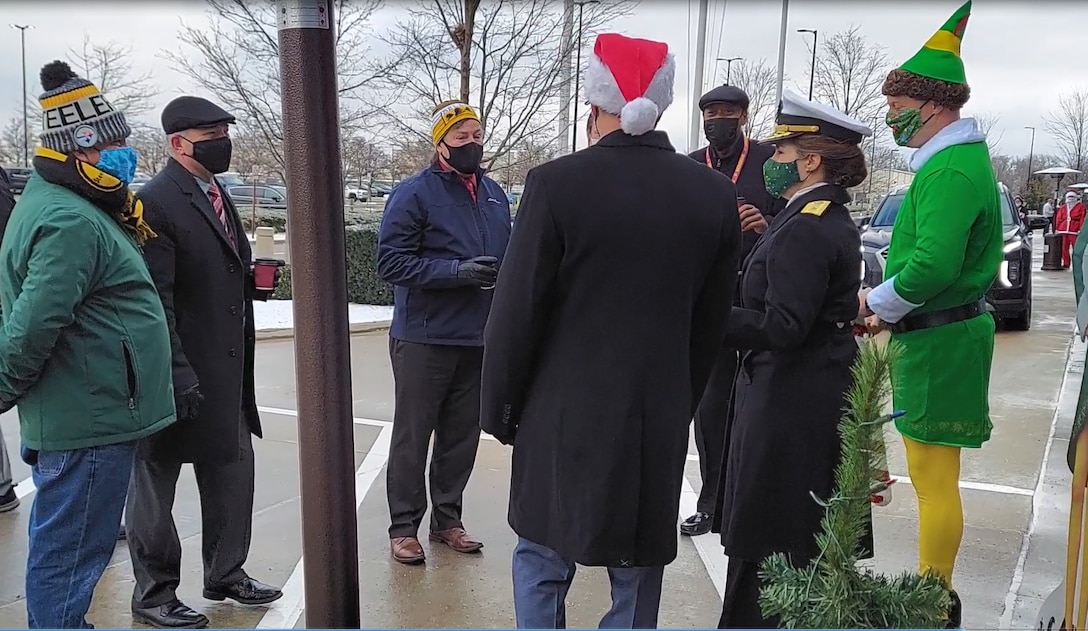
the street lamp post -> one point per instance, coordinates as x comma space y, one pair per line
1031, 156
26, 135
812, 71
729, 67
578, 68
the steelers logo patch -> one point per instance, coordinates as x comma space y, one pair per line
85, 136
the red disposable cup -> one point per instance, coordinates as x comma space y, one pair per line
264, 273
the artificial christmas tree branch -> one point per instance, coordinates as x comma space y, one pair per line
832, 592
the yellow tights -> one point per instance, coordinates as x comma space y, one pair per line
935, 472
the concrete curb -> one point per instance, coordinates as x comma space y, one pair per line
289, 334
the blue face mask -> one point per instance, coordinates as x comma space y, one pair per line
120, 162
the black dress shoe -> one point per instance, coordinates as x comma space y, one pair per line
697, 524
955, 611
173, 615
246, 591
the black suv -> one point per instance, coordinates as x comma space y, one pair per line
1010, 295
18, 177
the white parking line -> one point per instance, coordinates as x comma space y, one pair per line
285, 612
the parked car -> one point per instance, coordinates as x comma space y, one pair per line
357, 193
1010, 295
18, 177
380, 190
230, 178
269, 197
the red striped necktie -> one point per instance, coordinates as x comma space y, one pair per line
221, 210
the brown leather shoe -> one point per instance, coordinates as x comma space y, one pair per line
457, 539
407, 550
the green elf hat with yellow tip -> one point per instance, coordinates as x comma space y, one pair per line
940, 57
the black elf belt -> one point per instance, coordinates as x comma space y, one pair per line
938, 318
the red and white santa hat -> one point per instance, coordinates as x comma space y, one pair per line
631, 78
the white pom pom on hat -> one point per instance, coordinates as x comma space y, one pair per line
631, 78
639, 116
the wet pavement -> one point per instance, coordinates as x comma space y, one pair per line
1000, 574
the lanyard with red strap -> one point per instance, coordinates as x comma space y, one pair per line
740, 161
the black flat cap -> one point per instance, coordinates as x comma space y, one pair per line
192, 112
725, 94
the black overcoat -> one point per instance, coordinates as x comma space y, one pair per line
608, 314
799, 295
206, 289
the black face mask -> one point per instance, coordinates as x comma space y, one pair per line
466, 158
214, 155
722, 133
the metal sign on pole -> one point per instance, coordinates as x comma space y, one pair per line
311, 149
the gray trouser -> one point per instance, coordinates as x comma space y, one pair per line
226, 511
5, 467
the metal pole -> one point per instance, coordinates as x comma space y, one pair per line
697, 84
782, 51
26, 130
729, 72
577, 79
812, 72
578, 71
1031, 155
319, 285
566, 43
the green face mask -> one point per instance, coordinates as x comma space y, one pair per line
778, 176
906, 124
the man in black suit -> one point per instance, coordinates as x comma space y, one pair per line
731, 153
202, 265
608, 312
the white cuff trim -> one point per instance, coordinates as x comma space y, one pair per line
888, 304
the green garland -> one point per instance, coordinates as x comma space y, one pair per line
832, 592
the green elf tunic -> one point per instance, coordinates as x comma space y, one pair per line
945, 252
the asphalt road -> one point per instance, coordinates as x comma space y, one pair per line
998, 572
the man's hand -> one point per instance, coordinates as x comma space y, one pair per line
752, 219
863, 309
187, 404
482, 270
874, 324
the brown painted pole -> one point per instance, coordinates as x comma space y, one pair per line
319, 287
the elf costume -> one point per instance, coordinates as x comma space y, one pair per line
945, 253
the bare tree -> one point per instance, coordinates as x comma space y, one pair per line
411, 156
987, 123
150, 146
757, 79
11, 142
515, 165
109, 66
850, 72
237, 60
362, 159
1068, 126
518, 64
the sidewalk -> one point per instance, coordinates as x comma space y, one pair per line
1042, 556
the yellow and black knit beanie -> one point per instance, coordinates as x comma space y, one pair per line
75, 115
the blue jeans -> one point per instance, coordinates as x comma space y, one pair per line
542, 578
73, 530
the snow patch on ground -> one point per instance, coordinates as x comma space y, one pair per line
278, 314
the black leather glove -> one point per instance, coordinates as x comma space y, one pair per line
482, 270
187, 403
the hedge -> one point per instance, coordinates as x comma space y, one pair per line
364, 286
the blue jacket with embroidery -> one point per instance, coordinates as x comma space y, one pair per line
431, 224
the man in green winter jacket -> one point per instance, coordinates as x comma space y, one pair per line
84, 347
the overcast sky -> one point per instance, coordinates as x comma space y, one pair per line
1019, 55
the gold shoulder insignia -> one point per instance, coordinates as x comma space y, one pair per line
815, 208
